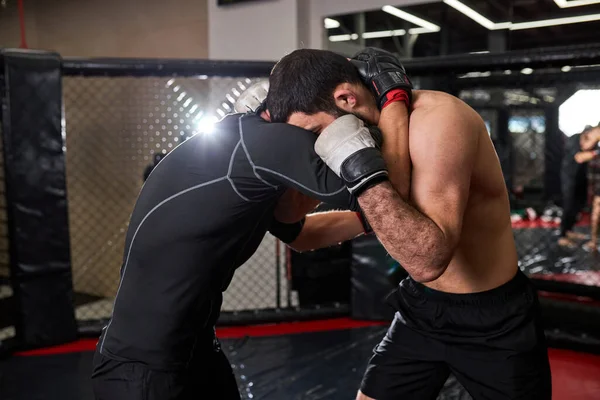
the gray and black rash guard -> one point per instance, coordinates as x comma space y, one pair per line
202, 213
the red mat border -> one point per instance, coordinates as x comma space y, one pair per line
538, 223
228, 333
87, 345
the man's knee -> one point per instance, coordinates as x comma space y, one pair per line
362, 396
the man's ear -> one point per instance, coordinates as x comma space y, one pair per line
266, 115
345, 98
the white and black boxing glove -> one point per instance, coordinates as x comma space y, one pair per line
348, 148
253, 97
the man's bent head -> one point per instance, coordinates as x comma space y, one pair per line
311, 88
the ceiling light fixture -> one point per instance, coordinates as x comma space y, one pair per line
377, 34
382, 34
343, 38
575, 3
554, 22
418, 31
469, 12
411, 18
476, 74
486, 23
331, 23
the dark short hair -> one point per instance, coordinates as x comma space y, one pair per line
304, 81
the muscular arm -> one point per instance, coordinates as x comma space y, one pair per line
423, 236
393, 124
327, 229
318, 230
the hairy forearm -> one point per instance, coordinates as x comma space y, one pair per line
327, 229
409, 236
393, 124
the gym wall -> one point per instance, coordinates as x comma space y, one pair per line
110, 28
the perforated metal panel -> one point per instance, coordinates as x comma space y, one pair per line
114, 127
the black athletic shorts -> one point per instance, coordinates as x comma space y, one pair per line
491, 341
208, 374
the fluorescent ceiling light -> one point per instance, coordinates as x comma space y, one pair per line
411, 18
526, 71
331, 23
343, 38
469, 12
378, 34
382, 34
587, 66
566, 68
476, 74
486, 23
418, 31
424, 27
575, 3
502, 25
554, 22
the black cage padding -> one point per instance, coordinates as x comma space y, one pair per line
37, 212
554, 57
115, 67
573, 325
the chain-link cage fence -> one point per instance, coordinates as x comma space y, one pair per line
114, 128
525, 102
527, 130
36, 298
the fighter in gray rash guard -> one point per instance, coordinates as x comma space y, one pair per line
201, 214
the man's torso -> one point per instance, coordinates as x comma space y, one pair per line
486, 254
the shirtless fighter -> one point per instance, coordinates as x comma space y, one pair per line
466, 307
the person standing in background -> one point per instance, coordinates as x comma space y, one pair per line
574, 184
589, 143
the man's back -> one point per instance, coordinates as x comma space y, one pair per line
201, 214
195, 221
486, 256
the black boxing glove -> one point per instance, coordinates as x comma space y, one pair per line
384, 74
348, 148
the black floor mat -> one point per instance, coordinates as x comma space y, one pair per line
539, 252
308, 366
